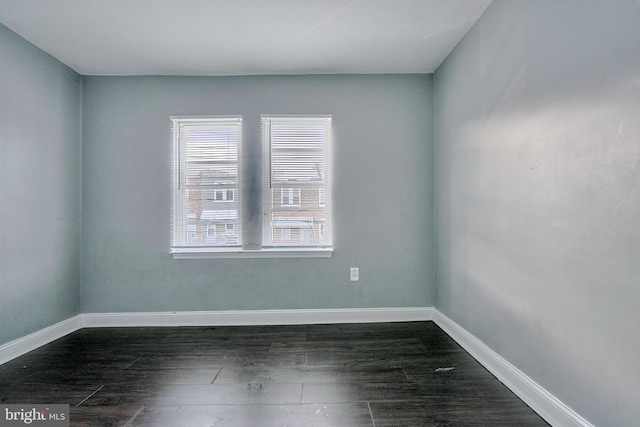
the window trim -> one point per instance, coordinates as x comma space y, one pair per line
235, 252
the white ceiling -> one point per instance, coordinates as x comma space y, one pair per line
244, 37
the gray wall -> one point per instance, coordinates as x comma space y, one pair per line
40, 166
538, 196
383, 204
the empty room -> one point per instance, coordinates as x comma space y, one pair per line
320, 213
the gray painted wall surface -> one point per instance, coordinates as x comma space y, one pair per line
40, 167
538, 196
383, 171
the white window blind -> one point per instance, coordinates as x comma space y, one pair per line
296, 181
206, 182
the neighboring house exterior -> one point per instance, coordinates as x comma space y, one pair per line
212, 212
298, 216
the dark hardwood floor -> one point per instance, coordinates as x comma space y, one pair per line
387, 374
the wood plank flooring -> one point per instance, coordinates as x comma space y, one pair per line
384, 374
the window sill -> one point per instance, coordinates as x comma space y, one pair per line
226, 253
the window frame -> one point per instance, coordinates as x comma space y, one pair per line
283, 178
234, 251
183, 239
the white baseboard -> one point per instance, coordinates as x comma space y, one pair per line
258, 317
30, 342
553, 410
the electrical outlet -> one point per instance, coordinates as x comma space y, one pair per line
354, 274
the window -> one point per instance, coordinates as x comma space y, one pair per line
296, 181
208, 217
224, 195
206, 182
290, 196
